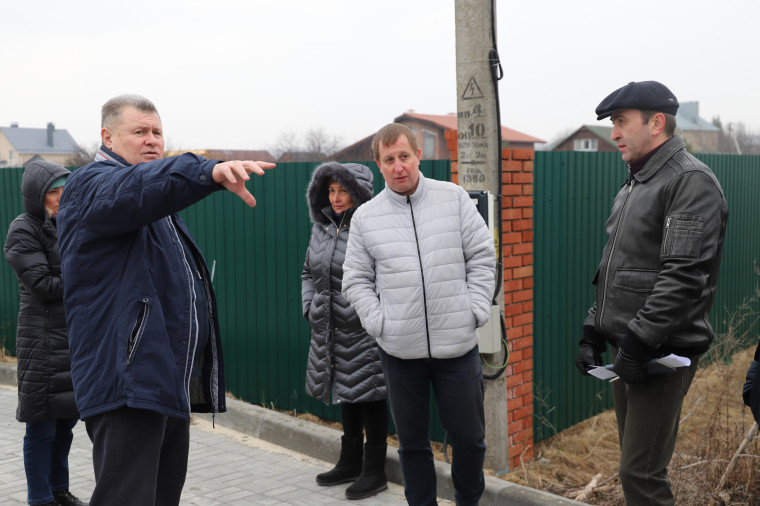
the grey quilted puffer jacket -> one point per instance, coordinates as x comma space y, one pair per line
343, 363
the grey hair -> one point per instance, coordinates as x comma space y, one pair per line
110, 114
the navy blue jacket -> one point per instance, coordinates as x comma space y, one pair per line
128, 291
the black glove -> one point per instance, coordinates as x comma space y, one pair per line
630, 363
592, 346
750, 381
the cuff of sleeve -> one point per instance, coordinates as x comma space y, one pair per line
592, 338
636, 348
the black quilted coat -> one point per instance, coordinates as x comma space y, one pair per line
343, 364
45, 391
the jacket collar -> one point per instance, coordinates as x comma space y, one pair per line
418, 194
105, 154
663, 154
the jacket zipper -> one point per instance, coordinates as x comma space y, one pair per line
193, 315
667, 233
331, 293
422, 275
612, 252
137, 331
213, 383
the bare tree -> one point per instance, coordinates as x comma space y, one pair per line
320, 143
85, 155
737, 138
315, 145
288, 141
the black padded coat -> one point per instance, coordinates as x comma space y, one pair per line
751, 390
45, 391
343, 363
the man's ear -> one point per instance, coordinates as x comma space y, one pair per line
656, 124
105, 136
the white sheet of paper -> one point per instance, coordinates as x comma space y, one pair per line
671, 360
602, 373
674, 360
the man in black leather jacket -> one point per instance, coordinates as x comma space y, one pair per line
655, 283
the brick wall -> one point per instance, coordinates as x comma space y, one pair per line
517, 258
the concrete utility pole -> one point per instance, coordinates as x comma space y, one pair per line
480, 169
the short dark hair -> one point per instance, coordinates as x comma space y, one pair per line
110, 113
670, 121
390, 134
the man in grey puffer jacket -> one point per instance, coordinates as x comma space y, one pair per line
655, 283
419, 271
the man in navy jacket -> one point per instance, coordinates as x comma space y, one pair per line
141, 312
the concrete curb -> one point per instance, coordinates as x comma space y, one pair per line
323, 443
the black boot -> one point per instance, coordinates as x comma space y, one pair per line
66, 498
372, 480
349, 465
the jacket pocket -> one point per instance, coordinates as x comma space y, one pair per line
636, 280
138, 329
683, 236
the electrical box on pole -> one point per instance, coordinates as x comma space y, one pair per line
479, 169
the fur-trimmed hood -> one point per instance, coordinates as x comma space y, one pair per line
354, 177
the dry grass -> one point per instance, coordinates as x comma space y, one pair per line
707, 467
4, 357
713, 424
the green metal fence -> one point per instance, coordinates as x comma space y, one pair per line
256, 256
10, 207
573, 198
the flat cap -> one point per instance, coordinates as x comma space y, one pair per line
644, 95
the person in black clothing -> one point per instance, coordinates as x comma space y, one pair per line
655, 283
751, 390
45, 393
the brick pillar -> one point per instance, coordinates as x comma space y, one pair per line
517, 251
517, 257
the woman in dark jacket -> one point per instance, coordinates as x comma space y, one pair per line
45, 392
343, 365
751, 390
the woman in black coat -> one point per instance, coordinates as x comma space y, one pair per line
344, 365
751, 390
45, 393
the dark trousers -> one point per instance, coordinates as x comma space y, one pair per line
648, 414
139, 456
370, 417
458, 388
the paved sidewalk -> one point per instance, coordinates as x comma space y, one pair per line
225, 468
254, 456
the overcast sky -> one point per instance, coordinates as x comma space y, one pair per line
237, 74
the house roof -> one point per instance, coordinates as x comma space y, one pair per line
35, 140
603, 132
340, 153
687, 118
449, 121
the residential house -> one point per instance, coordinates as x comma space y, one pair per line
700, 135
20, 145
429, 130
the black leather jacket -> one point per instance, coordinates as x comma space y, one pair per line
659, 269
